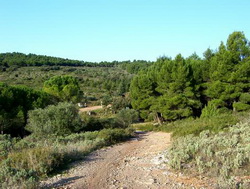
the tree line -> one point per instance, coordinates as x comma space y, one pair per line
178, 88
21, 60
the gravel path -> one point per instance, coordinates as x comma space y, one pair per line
136, 164
91, 108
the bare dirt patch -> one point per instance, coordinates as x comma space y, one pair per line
92, 108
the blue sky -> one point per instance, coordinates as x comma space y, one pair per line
107, 30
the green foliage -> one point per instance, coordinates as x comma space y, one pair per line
15, 102
92, 123
20, 59
210, 110
62, 119
238, 45
63, 87
245, 98
106, 100
239, 106
196, 126
112, 136
222, 155
126, 117
17, 178
180, 88
144, 126
120, 103
167, 88
6, 144
229, 70
42, 160
135, 66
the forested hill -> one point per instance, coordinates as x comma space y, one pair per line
20, 59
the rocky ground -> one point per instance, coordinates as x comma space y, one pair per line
136, 164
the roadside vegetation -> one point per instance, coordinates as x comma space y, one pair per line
25, 161
224, 156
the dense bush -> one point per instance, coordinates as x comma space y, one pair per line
6, 144
239, 106
112, 136
126, 117
225, 154
92, 123
210, 110
42, 160
62, 119
65, 88
17, 178
15, 102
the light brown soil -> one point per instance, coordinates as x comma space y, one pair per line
137, 164
92, 108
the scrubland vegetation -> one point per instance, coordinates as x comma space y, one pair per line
203, 102
25, 161
224, 155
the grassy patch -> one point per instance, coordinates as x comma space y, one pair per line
145, 126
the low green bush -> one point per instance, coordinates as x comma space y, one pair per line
196, 126
17, 178
245, 98
209, 111
40, 159
112, 136
224, 155
125, 117
239, 106
6, 144
62, 119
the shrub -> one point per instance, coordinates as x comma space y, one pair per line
125, 117
62, 119
6, 144
77, 137
112, 136
17, 178
91, 123
225, 154
210, 110
64, 87
196, 126
239, 106
245, 98
40, 159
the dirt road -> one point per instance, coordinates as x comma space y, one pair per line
136, 164
91, 108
